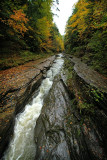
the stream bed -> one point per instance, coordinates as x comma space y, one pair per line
22, 146
51, 126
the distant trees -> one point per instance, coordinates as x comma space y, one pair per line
57, 41
29, 24
86, 33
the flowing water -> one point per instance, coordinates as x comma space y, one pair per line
22, 146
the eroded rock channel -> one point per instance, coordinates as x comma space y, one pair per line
62, 121
62, 132
22, 145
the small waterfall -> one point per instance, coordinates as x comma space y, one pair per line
22, 146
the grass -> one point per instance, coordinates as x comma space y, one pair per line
13, 60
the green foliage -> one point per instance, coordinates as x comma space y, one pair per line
28, 25
57, 40
13, 60
97, 95
86, 33
68, 67
86, 108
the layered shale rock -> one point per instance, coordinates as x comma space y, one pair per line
72, 124
17, 86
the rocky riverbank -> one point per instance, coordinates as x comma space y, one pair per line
72, 124
16, 87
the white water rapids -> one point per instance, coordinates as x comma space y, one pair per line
22, 146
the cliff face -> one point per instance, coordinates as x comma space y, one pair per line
17, 86
72, 124
90, 98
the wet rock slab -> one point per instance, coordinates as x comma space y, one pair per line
59, 133
90, 76
49, 132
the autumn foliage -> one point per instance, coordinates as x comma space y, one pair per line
18, 21
77, 21
86, 33
28, 25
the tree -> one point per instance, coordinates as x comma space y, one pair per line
86, 33
29, 24
18, 21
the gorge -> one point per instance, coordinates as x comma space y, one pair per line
63, 131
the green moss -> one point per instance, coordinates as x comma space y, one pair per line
86, 108
97, 95
86, 99
69, 69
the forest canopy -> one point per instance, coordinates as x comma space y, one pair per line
86, 33
28, 25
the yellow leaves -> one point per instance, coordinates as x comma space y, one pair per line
104, 25
30, 28
25, 7
46, 39
60, 43
78, 19
43, 26
98, 13
31, 37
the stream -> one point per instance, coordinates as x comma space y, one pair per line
22, 146
52, 128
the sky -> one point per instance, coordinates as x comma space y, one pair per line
66, 8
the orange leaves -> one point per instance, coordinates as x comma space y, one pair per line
43, 147
3, 21
71, 123
17, 21
19, 16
